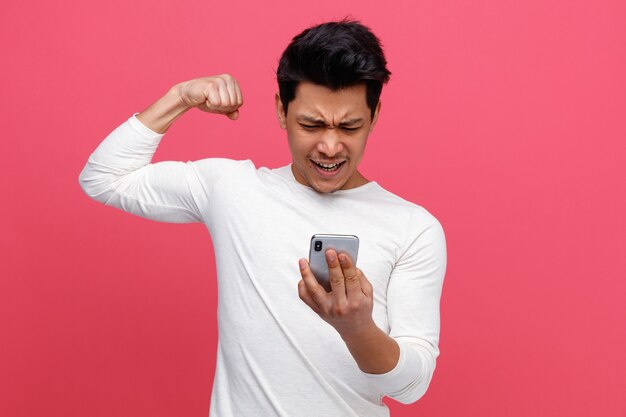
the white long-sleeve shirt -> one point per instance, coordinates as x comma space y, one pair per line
276, 357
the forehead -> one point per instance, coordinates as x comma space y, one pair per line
320, 101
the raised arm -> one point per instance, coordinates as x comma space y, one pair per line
119, 173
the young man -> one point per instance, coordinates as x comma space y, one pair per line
286, 346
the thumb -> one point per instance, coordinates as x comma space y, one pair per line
234, 115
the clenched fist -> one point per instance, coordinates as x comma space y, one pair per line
217, 94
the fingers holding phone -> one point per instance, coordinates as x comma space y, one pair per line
348, 283
348, 306
323, 245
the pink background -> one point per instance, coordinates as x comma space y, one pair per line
505, 119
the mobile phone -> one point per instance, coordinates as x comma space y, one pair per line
320, 243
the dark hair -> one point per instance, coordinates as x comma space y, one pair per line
335, 55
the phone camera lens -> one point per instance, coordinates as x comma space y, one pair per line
318, 245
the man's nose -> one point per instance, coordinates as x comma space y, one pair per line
330, 143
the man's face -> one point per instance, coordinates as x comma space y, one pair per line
327, 132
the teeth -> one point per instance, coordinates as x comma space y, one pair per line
328, 166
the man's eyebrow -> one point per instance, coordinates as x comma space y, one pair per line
311, 119
316, 120
350, 121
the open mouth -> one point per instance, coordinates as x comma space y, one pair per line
329, 167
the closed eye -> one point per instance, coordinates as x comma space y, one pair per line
309, 127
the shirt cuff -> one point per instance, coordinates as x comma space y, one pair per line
143, 129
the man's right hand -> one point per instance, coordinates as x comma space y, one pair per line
217, 94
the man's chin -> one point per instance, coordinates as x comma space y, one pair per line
326, 188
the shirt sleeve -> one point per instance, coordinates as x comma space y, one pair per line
119, 173
413, 298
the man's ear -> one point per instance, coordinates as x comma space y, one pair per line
280, 112
375, 118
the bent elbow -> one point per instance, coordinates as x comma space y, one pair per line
413, 391
411, 394
95, 184
419, 358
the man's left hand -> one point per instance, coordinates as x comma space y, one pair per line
348, 307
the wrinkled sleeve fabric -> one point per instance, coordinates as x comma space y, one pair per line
413, 299
119, 173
